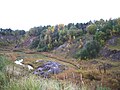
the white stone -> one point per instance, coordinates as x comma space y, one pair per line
30, 67
19, 62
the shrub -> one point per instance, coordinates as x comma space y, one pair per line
92, 29
101, 37
34, 44
90, 50
82, 54
43, 49
93, 48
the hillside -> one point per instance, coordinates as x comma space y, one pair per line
112, 50
84, 54
11, 38
74, 40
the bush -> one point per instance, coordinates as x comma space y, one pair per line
92, 29
34, 44
90, 50
43, 49
82, 54
93, 48
100, 37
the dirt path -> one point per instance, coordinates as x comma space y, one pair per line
62, 59
32, 56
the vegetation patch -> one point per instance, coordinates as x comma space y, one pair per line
90, 50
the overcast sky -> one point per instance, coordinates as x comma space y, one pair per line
25, 14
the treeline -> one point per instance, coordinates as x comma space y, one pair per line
10, 37
50, 37
11, 32
100, 31
93, 36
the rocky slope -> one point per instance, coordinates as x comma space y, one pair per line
112, 49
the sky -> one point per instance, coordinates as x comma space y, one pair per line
25, 14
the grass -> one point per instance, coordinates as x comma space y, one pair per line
3, 62
3, 76
36, 83
117, 47
102, 88
33, 82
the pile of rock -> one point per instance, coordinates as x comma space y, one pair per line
42, 67
49, 68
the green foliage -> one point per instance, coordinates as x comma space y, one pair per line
82, 54
2, 43
34, 44
50, 37
42, 49
3, 62
92, 29
36, 31
100, 37
3, 76
117, 26
75, 33
35, 83
4, 79
102, 88
8, 36
91, 50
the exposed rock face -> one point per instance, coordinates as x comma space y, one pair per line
116, 56
27, 42
48, 68
112, 53
113, 41
106, 52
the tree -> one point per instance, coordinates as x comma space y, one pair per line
78, 25
117, 26
82, 54
92, 29
101, 37
71, 26
34, 44
90, 50
93, 48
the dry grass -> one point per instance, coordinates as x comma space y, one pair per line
37, 83
91, 75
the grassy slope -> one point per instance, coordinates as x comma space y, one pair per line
36, 83
91, 75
